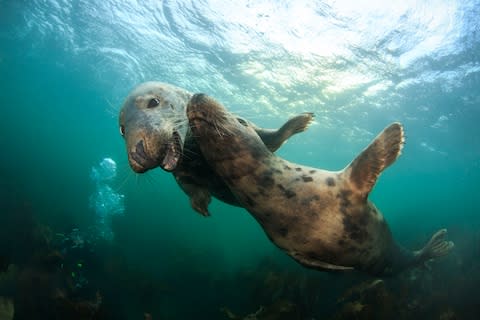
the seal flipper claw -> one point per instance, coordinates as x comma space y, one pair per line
382, 152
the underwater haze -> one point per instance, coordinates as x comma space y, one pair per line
84, 237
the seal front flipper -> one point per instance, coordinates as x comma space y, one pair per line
273, 139
199, 200
314, 263
199, 196
382, 152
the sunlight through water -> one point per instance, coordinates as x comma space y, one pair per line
295, 53
357, 64
67, 66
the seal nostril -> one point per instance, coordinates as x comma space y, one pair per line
140, 149
139, 156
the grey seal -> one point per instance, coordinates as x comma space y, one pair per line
322, 219
154, 124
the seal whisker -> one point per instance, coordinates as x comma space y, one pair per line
179, 120
150, 179
216, 129
191, 134
144, 178
189, 154
221, 129
125, 175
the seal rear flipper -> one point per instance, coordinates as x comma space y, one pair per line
382, 152
273, 139
437, 247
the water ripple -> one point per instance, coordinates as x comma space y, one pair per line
341, 58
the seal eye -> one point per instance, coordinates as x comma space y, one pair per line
153, 103
122, 130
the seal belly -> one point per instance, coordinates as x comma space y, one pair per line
314, 221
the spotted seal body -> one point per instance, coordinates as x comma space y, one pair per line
154, 124
322, 219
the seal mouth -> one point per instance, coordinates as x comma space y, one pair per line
173, 153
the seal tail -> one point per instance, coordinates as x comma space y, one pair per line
382, 152
437, 247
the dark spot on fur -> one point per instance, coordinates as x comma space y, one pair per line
283, 231
258, 152
287, 192
237, 172
287, 167
345, 203
250, 202
306, 178
312, 255
291, 220
363, 218
290, 194
308, 200
261, 191
330, 182
275, 170
312, 171
265, 179
355, 233
354, 220
298, 169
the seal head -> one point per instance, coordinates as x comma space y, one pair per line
152, 121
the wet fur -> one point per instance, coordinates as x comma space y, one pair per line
148, 131
321, 218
